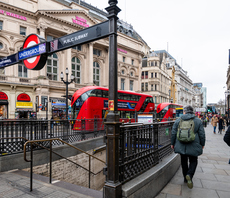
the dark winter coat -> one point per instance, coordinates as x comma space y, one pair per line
194, 148
227, 137
221, 124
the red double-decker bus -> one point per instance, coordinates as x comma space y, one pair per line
92, 102
167, 111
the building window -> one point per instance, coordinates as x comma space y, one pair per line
131, 85
1, 25
155, 75
146, 86
1, 45
52, 67
22, 30
97, 52
155, 63
144, 75
142, 87
22, 71
122, 84
151, 75
49, 38
76, 69
151, 87
96, 73
155, 87
122, 71
131, 73
78, 47
152, 63
132, 62
123, 59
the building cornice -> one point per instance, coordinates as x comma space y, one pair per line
17, 9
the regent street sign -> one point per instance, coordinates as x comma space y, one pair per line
36, 49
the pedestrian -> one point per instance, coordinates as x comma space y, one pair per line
190, 150
220, 125
227, 138
225, 123
214, 122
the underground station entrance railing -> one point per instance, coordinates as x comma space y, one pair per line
140, 147
31, 143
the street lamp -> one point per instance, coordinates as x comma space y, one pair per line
67, 83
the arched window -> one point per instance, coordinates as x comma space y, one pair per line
76, 69
52, 67
96, 73
1, 45
22, 71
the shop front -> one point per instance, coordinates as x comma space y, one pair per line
3, 106
58, 108
24, 107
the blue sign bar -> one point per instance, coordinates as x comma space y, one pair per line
9, 60
32, 51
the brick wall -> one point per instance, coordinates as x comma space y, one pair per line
71, 173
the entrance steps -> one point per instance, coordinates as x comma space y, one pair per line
18, 182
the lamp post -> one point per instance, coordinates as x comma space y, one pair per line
112, 187
66, 82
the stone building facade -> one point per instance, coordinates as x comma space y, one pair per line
155, 78
22, 90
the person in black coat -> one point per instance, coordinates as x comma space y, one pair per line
227, 138
221, 125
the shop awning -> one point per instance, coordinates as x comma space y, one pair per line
3, 102
23, 109
58, 107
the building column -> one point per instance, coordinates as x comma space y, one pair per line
89, 69
42, 29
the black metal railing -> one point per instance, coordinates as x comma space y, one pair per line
141, 147
68, 130
36, 143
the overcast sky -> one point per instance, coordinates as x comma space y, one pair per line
195, 32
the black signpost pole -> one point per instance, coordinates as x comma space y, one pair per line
112, 188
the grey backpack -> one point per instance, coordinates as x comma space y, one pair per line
185, 132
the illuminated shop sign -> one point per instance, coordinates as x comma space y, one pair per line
24, 105
23, 97
13, 15
80, 21
3, 96
121, 50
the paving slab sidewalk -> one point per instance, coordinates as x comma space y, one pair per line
212, 177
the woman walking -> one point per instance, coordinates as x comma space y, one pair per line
221, 125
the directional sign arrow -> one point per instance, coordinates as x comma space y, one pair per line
87, 35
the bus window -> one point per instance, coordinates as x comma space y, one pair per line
132, 114
84, 97
95, 92
127, 97
179, 112
105, 94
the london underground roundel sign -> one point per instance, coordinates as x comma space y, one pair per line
36, 62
